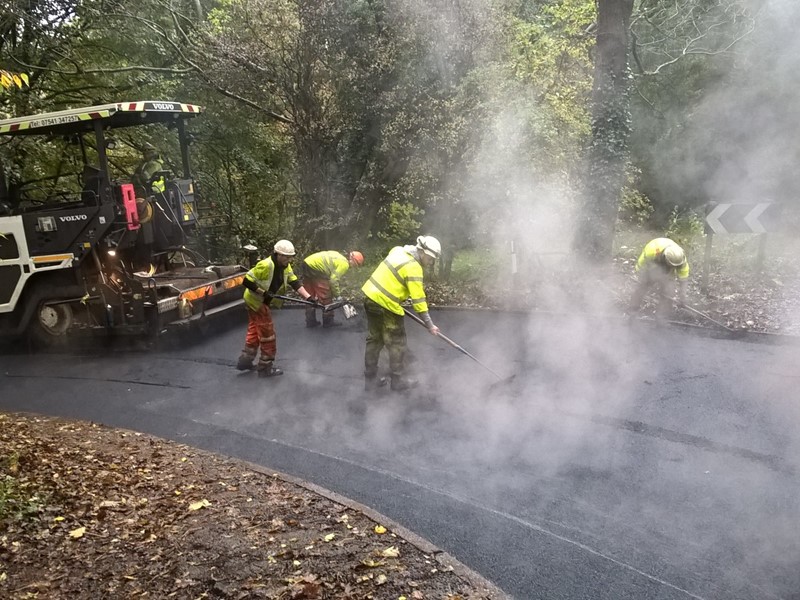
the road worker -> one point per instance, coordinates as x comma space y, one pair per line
144, 176
661, 262
270, 276
322, 272
398, 278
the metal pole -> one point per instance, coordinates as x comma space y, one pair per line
298, 300
184, 143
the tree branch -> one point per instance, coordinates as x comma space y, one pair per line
79, 71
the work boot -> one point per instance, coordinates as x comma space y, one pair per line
313, 323
268, 371
246, 358
373, 384
401, 384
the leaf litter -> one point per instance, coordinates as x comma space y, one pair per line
88, 511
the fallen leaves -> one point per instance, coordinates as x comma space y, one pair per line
199, 504
120, 514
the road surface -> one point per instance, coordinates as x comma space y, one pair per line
621, 462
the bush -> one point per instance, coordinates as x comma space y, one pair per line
686, 228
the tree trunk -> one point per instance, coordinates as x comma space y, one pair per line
607, 154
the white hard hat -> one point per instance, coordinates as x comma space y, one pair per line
674, 255
285, 247
429, 245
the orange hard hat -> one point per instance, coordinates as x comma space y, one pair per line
356, 257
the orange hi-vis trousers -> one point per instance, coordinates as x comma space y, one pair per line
321, 288
261, 332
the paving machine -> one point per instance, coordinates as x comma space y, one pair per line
107, 255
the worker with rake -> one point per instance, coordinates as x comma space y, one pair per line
322, 272
268, 278
397, 279
660, 264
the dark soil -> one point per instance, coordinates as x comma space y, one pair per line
87, 511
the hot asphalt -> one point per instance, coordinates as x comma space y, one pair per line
623, 461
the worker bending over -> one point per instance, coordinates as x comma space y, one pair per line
322, 272
661, 262
268, 277
398, 278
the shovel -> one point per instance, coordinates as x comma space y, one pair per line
459, 348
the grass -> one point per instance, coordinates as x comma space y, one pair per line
475, 264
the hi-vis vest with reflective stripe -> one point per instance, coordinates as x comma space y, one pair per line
262, 274
652, 253
145, 172
330, 264
396, 279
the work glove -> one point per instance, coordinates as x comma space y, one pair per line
433, 329
337, 300
313, 299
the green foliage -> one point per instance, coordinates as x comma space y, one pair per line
686, 227
402, 223
634, 206
683, 60
17, 500
361, 121
470, 266
550, 55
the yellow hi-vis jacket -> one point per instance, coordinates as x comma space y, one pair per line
262, 274
145, 172
651, 254
396, 279
330, 265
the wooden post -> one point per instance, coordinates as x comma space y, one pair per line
706, 259
762, 250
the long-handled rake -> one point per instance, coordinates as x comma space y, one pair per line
707, 318
459, 348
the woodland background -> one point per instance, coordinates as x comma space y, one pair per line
551, 124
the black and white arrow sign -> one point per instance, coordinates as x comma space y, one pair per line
763, 217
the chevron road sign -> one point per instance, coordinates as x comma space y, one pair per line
764, 217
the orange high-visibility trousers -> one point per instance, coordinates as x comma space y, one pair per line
321, 288
261, 332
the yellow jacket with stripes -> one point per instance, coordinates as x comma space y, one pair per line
262, 274
329, 264
651, 254
397, 278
